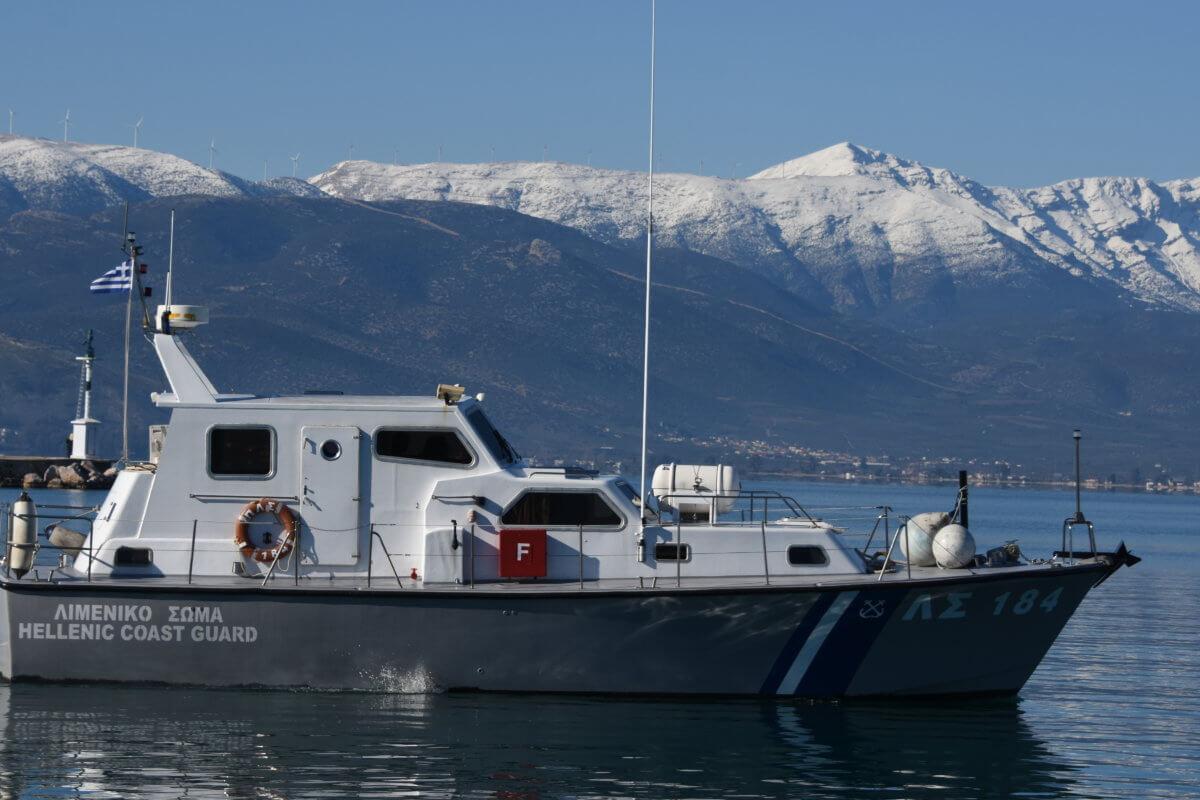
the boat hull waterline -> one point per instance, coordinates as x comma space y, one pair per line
970, 634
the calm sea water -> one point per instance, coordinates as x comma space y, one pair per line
1113, 711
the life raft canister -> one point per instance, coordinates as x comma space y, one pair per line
281, 548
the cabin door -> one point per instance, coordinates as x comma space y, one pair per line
329, 494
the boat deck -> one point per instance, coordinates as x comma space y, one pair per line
50, 579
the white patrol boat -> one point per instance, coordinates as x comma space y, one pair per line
331, 541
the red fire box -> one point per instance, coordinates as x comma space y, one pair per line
522, 554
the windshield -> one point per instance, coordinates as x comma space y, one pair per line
496, 444
624, 488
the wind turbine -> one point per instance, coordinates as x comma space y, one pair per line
136, 127
66, 123
295, 163
212, 151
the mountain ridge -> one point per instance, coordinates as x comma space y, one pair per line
862, 230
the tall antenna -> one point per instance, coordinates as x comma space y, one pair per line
295, 164
649, 242
131, 249
212, 151
10, 116
264, 169
66, 123
351, 152
137, 126
170, 262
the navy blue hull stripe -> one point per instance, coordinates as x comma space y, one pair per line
784, 662
846, 646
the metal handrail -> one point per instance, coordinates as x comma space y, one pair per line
371, 558
295, 537
750, 496
86, 514
1068, 537
881, 517
766, 561
239, 497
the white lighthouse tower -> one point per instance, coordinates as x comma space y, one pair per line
83, 427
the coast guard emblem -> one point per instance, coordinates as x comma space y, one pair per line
872, 609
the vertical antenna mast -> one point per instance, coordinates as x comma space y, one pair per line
649, 240
170, 262
132, 251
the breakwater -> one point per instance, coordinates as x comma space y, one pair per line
48, 472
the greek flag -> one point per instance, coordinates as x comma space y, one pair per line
117, 279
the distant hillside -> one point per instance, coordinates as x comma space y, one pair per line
317, 293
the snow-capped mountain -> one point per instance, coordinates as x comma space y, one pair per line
865, 229
78, 178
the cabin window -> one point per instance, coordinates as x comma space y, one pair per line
672, 551
807, 555
134, 557
561, 509
243, 452
441, 447
496, 444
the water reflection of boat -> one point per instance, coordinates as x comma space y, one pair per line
338, 744
331, 541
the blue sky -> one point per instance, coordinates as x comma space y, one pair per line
1015, 93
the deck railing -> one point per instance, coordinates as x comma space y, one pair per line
753, 513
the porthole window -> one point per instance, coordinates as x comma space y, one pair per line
807, 555
331, 450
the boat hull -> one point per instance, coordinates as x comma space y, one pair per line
970, 634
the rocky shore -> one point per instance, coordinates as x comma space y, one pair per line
31, 472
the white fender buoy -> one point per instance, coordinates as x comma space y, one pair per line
22, 537
67, 540
916, 537
954, 547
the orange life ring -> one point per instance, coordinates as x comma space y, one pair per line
286, 543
